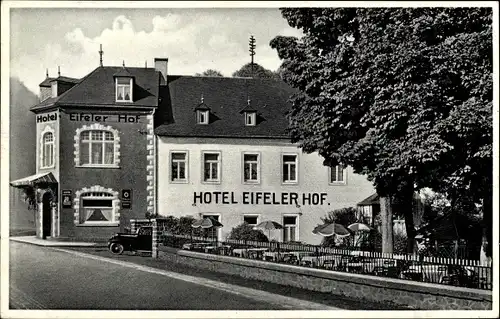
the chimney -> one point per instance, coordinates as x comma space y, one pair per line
161, 64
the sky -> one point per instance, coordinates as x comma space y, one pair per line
193, 39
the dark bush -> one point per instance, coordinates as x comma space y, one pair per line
246, 232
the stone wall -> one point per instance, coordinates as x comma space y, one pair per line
421, 296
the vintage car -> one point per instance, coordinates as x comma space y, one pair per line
142, 240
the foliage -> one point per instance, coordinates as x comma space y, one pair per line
258, 72
344, 216
403, 95
400, 243
31, 197
210, 72
246, 232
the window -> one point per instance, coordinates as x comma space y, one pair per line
202, 117
48, 150
337, 174
251, 220
53, 87
251, 168
250, 118
123, 89
289, 168
290, 228
178, 164
96, 206
97, 148
211, 167
97, 145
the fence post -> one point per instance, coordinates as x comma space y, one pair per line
132, 225
154, 249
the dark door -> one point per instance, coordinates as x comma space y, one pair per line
46, 215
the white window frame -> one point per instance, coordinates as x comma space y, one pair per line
47, 130
243, 163
250, 118
252, 215
336, 168
219, 167
116, 145
297, 226
186, 167
79, 209
289, 181
120, 86
205, 114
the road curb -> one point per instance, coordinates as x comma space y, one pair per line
56, 244
259, 295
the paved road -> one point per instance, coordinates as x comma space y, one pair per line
48, 278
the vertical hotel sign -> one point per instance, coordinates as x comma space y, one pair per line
126, 198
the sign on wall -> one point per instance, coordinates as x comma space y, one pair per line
67, 198
126, 198
261, 198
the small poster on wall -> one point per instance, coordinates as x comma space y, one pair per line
67, 198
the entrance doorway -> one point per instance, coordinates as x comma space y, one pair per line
46, 215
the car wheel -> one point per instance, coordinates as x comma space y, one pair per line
116, 248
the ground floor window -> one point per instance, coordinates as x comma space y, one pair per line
290, 228
97, 205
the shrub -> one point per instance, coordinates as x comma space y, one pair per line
400, 243
246, 232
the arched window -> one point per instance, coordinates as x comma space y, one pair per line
47, 148
97, 206
97, 146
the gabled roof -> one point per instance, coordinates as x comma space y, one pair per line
202, 107
123, 72
97, 89
370, 200
46, 82
248, 108
225, 97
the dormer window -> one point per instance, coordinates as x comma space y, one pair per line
53, 86
202, 116
124, 89
250, 118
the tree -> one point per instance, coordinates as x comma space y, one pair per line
258, 72
246, 232
403, 95
210, 72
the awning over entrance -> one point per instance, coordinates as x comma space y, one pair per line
32, 180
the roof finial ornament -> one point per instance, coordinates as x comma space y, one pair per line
100, 54
202, 99
123, 63
47, 72
58, 70
146, 64
248, 100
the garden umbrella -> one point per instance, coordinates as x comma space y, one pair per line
269, 225
361, 230
206, 222
359, 227
331, 229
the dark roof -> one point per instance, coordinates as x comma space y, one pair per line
123, 72
225, 97
202, 107
370, 200
46, 82
66, 79
248, 108
97, 89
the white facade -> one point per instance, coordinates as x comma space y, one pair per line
184, 189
